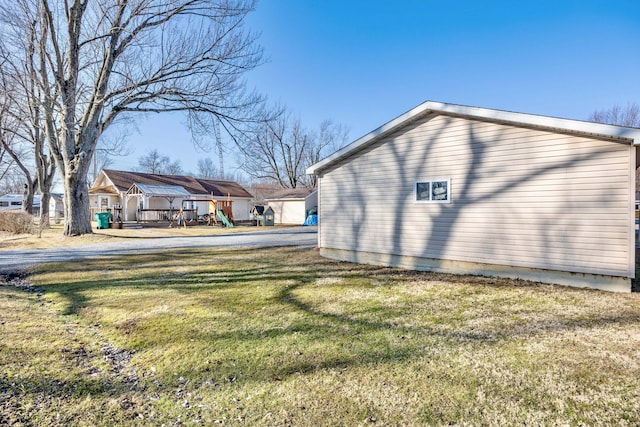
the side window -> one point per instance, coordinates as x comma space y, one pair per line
432, 191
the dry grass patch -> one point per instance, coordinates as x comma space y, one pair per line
53, 237
284, 337
49, 238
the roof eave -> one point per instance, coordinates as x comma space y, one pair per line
596, 129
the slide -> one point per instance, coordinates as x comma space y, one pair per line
222, 217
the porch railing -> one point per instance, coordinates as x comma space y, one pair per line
152, 215
166, 215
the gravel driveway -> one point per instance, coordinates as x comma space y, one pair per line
21, 259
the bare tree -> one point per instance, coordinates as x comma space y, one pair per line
12, 174
6, 168
99, 60
20, 156
281, 149
156, 162
332, 137
275, 151
110, 145
13, 138
24, 96
11, 180
207, 168
174, 168
152, 162
617, 115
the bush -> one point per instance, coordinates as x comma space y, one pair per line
17, 222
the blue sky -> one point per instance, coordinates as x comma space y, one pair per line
362, 63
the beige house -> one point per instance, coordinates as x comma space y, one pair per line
472, 190
291, 205
138, 196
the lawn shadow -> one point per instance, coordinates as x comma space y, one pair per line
361, 338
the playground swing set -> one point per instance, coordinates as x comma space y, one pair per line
220, 212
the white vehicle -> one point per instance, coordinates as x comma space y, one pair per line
13, 202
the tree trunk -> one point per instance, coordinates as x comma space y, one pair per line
27, 197
45, 198
46, 169
77, 218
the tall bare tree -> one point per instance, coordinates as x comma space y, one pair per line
152, 162
622, 116
281, 149
13, 136
618, 115
6, 168
331, 137
275, 151
100, 60
26, 100
110, 145
174, 168
207, 168
156, 162
10, 179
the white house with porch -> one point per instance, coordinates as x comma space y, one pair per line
142, 197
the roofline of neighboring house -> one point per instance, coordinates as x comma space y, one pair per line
102, 172
208, 196
196, 180
204, 195
277, 199
626, 134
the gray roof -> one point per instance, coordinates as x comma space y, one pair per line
154, 190
290, 194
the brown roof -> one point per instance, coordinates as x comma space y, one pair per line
123, 180
223, 188
290, 193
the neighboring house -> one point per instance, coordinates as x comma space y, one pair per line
291, 205
56, 206
461, 189
131, 192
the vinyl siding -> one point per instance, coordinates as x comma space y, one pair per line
520, 197
289, 211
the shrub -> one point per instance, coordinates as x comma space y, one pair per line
17, 222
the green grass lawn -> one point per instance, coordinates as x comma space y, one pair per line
284, 337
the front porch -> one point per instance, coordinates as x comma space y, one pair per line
169, 215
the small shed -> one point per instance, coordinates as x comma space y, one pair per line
292, 205
461, 189
56, 206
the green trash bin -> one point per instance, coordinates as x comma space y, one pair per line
103, 219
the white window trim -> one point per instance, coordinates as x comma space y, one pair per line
431, 181
107, 198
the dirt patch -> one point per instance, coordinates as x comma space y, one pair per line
119, 361
19, 279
